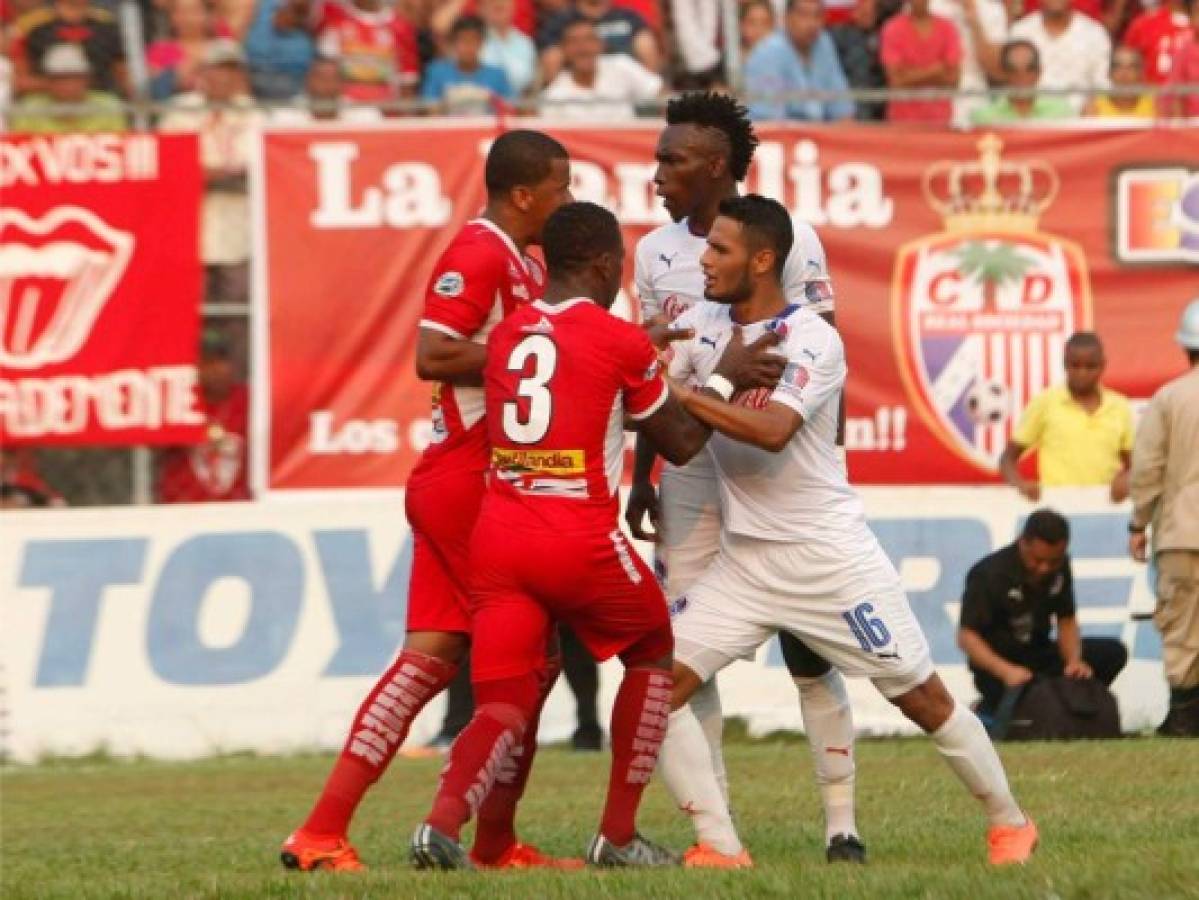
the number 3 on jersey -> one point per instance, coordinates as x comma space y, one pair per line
533, 427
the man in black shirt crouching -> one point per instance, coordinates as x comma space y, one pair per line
1013, 598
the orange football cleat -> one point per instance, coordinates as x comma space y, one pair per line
308, 853
526, 856
703, 856
1008, 844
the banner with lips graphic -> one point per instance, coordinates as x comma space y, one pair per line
100, 287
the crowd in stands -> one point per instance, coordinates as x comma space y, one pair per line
368, 58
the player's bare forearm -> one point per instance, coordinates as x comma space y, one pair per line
769, 428
440, 357
980, 654
1069, 639
644, 456
674, 433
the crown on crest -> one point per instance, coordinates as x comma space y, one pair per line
991, 194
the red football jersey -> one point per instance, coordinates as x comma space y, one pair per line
377, 50
1158, 35
216, 469
559, 380
479, 279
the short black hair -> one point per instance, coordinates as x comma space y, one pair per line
573, 19
576, 234
1046, 525
520, 158
750, 4
708, 109
1005, 54
468, 23
1192, 355
1084, 340
766, 223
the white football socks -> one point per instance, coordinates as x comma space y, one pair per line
705, 703
828, 723
686, 766
967, 748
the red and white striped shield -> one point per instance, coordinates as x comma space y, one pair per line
980, 320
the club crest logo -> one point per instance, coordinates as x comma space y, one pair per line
981, 310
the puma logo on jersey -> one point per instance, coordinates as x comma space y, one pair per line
711, 342
519, 290
669, 260
542, 326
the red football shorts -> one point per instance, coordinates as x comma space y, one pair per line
528, 572
441, 512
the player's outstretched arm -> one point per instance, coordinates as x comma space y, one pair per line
443, 357
643, 496
675, 434
769, 428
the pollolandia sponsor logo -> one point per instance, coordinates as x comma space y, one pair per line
548, 462
981, 310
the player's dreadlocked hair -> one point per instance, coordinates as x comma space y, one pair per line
520, 158
727, 116
576, 234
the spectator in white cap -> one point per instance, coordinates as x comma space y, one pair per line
1165, 514
222, 113
67, 104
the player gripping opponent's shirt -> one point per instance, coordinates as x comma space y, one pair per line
479, 280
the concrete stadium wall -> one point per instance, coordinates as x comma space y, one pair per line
184, 631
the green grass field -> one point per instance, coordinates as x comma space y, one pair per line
1118, 819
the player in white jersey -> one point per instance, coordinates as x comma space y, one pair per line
703, 154
796, 554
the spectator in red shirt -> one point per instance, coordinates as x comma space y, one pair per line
375, 44
920, 50
216, 469
1185, 70
1158, 34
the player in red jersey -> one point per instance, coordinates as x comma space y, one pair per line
561, 376
480, 278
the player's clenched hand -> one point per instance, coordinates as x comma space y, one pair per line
661, 335
750, 366
1015, 676
643, 501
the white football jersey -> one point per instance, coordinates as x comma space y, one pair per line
801, 492
669, 280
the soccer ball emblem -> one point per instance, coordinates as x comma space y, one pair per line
987, 402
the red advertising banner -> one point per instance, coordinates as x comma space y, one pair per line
99, 289
961, 262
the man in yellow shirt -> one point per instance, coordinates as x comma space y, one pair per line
1082, 431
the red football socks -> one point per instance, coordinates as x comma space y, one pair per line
496, 831
639, 719
378, 730
483, 747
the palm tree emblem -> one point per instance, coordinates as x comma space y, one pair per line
991, 267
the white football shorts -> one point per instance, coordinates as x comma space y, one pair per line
843, 599
690, 523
